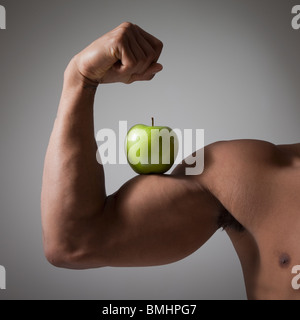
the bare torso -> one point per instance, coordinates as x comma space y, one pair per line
267, 203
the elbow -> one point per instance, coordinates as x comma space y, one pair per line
70, 257
59, 257
73, 243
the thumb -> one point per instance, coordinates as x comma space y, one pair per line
149, 74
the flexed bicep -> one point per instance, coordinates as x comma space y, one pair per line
154, 220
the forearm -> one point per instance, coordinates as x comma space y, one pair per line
73, 188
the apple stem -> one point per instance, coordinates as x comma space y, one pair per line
152, 122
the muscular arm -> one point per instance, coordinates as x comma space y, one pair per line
150, 220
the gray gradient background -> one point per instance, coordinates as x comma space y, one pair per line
230, 67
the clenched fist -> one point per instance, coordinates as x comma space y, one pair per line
125, 54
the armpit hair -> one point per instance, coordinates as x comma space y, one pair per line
227, 221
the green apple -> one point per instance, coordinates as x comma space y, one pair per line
151, 149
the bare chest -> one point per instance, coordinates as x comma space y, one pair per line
271, 258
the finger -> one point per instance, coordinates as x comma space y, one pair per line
137, 77
127, 56
139, 54
150, 56
155, 43
154, 68
148, 74
149, 52
132, 56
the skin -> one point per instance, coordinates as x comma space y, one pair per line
159, 219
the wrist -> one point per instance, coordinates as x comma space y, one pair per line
74, 78
78, 93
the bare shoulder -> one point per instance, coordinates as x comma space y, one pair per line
231, 164
236, 172
226, 157
243, 152
243, 158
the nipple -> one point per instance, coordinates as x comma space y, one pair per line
284, 260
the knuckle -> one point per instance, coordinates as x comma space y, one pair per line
118, 37
123, 32
127, 26
117, 40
